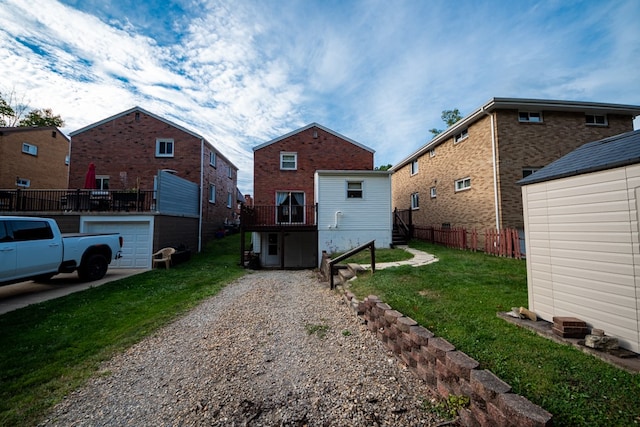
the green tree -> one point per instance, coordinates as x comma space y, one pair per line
41, 118
450, 117
383, 167
6, 113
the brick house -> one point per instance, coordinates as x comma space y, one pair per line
466, 176
129, 148
33, 157
283, 218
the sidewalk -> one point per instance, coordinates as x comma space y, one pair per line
18, 295
420, 258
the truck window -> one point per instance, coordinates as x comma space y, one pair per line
4, 236
31, 230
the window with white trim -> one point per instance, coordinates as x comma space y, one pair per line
29, 149
529, 116
212, 193
432, 152
354, 189
415, 201
230, 173
66, 160
596, 119
229, 199
414, 167
432, 192
164, 147
460, 136
102, 182
213, 158
23, 182
463, 184
288, 161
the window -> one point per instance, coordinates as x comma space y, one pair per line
29, 149
529, 117
354, 190
31, 230
414, 167
66, 160
164, 147
415, 201
230, 173
102, 182
596, 119
528, 171
229, 199
463, 184
290, 207
23, 182
432, 192
212, 158
212, 193
432, 152
460, 136
288, 161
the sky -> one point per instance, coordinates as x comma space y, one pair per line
243, 72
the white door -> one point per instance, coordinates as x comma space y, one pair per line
271, 250
137, 235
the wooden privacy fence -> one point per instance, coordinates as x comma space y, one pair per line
505, 242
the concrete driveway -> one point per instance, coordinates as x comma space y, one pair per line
18, 295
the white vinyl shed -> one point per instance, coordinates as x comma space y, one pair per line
582, 241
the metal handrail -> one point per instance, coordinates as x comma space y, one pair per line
352, 252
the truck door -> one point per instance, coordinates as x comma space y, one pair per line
38, 251
7, 254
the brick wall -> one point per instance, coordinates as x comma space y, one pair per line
519, 145
538, 144
448, 371
124, 149
46, 170
326, 152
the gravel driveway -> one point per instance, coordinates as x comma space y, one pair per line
254, 355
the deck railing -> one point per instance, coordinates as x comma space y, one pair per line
285, 216
76, 200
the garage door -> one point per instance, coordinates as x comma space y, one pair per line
136, 251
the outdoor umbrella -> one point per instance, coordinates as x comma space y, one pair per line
90, 178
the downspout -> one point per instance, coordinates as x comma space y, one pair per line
495, 170
201, 198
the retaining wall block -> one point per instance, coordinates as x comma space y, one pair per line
468, 418
407, 358
392, 316
520, 411
439, 347
497, 417
405, 323
420, 335
487, 385
461, 364
427, 375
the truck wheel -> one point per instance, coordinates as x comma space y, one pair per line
94, 268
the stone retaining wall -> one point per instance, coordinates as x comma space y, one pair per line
447, 371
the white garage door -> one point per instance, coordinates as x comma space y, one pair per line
138, 236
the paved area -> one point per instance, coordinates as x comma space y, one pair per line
419, 258
18, 295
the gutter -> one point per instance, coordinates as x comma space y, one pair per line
495, 169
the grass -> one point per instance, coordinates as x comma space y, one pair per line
382, 255
457, 298
49, 349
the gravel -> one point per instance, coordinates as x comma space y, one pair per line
272, 348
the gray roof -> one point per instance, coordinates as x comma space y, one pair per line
615, 151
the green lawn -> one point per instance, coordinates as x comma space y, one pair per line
458, 297
49, 349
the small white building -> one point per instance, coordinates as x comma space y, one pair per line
582, 237
354, 207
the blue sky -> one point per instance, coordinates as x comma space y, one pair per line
380, 72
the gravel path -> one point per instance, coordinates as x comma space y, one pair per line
254, 355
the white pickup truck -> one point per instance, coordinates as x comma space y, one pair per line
34, 248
